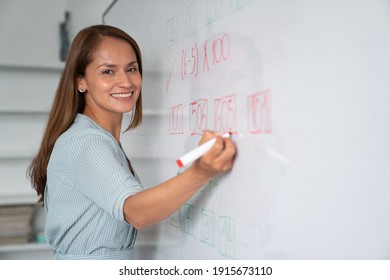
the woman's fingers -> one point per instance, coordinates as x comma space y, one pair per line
226, 155
207, 135
220, 157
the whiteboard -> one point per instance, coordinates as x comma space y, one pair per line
305, 88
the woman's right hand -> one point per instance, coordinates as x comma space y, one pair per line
219, 159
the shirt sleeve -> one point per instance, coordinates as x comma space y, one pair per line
97, 171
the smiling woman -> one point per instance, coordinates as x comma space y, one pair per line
111, 84
93, 198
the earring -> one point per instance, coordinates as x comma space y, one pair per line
81, 90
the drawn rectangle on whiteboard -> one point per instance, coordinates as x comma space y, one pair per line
259, 112
208, 227
226, 238
198, 116
225, 114
176, 119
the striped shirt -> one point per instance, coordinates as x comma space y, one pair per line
88, 181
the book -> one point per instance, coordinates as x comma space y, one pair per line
16, 223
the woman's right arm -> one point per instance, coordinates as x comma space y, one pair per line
157, 203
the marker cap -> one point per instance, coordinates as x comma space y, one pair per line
179, 163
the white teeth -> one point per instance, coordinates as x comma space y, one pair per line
122, 95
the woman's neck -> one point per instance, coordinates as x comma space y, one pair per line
110, 122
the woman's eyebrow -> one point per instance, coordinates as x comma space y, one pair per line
133, 62
106, 65
110, 65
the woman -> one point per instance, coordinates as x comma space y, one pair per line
93, 198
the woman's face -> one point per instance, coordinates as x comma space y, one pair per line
112, 80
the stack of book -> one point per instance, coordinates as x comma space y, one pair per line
16, 223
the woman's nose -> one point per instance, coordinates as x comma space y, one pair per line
124, 80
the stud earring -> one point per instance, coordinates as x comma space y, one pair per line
81, 90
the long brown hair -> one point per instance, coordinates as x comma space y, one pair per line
68, 102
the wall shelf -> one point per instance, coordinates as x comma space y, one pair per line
17, 154
40, 68
18, 199
19, 112
25, 247
154, 113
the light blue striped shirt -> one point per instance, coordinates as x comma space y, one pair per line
88, 181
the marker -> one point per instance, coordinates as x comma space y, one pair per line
198, 151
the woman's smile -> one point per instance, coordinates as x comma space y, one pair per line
122, 95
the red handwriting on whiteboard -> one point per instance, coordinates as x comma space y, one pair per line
259, 112
198, 116
190, 62
216, 51
221, 49
168, 80
213, 52
176, 119
225, 114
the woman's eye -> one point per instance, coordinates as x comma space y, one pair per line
132, 69
108, 72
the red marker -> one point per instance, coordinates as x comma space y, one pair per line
198, 151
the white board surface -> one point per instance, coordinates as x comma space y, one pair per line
305, 88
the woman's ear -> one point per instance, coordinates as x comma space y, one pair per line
81, 85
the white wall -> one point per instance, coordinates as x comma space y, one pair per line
29, 31
85, 13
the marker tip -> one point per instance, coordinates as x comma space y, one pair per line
179, 163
